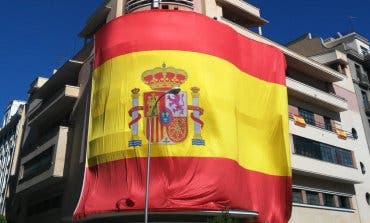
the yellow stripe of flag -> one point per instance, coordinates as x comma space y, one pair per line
239, 124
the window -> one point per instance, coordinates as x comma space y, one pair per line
312, 198
365, 99
363, 169
165, 7
354, 133
368, 198
297, 196
38, 164
306, 147
329, 200
344, 202
358, 70
344, 157
322, 151
364, 51
327, 123
307, 115
45, 205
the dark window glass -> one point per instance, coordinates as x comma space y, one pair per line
328, 153
307, 115
38, 164
322, 151
354, 133
329, 200
327, 122
297, 196
365, 99
45, 205
358, 69
363, 169
364, 51
344, 202
312, 198
344, 157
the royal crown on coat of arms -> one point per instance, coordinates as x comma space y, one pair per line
168, 116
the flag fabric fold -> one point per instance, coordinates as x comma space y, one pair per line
222, 143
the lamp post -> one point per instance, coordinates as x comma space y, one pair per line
173, 91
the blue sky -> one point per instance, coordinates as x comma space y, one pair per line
38, 36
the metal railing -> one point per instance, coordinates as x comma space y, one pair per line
327, 127
132, 5
363, 79
353, 52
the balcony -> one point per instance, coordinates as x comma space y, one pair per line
354, 52
45, 165
241, 13
95, 22
132, 5
316, 96
367, 62
312, 157
363, 79
316, 168
332, 57
329, 129
55, 107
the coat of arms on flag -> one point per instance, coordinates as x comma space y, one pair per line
168, 116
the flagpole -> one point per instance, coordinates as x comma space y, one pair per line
173, 91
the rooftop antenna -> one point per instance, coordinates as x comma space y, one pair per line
351, 26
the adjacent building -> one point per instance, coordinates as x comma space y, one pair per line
347, 54
10, 138
51, 162
329, 147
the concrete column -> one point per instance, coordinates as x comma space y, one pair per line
304, 197
292, 109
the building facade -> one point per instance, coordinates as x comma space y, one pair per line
51, 166
10, 138
328, 141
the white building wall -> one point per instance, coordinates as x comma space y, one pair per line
11, 110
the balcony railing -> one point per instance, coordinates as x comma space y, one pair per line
363, 79
327, 127
132, 5
354, 52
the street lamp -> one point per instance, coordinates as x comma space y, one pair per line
173, 91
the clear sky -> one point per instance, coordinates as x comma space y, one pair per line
40, 35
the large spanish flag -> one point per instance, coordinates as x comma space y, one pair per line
220, 144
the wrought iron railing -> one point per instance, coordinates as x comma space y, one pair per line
325, 126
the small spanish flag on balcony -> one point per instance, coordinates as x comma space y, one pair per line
341, 134
299, 120
221, 143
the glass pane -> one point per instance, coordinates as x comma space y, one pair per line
312, 198
329, 200
297, 196
307, 115
344, 202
